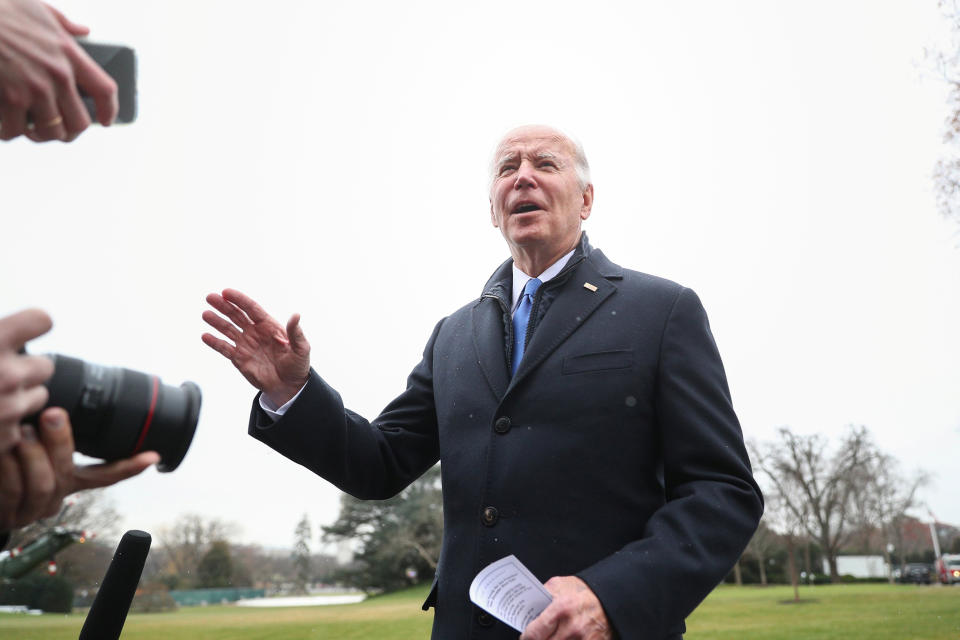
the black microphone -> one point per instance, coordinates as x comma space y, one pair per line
109, 610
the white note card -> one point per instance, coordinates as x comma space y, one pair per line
507, 590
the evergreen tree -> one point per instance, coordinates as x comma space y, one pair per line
301, 553
216, 566
399, 538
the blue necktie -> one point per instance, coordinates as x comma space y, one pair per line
520, 319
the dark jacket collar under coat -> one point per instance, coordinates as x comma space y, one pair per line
501, 282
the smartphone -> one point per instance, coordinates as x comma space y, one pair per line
121, 64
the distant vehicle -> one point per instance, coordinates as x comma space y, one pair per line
947, 568
916, 573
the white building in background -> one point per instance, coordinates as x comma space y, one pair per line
859, 566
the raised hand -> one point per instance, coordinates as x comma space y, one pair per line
273, 359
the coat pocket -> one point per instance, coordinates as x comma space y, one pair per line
599, 361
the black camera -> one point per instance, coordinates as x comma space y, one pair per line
116, 413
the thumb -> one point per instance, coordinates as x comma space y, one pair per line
104, 474
298, 341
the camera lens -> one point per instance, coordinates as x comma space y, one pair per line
117, 412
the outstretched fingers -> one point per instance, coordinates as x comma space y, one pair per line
226, 328
222, 347
232, 311
249, 306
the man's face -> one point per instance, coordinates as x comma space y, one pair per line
536, 199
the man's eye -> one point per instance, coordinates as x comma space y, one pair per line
505, 169
548, 163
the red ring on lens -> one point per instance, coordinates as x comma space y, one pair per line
149, 420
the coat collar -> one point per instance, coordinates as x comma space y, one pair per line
499, 283
574, 303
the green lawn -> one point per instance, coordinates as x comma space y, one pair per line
850, 612
395, 616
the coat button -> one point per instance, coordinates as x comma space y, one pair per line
490, 516
484, 619
502, 425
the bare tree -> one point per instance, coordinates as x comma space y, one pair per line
946, 62
275, 570
761, 545
184, 543
787, 512
886, 498
89, 511
738, 573
815, 489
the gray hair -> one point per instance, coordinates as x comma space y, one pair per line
580, 164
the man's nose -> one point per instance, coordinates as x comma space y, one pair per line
525, 176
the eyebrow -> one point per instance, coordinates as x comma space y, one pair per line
512, 155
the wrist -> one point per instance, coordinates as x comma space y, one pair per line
278, 397
283, 394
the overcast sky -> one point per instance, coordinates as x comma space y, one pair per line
330, 159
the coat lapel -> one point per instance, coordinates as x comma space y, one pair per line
568, 312
488, 340
488, 329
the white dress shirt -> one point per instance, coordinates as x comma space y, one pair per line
520, 278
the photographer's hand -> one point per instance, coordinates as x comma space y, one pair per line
21, 377
41, 66
272, 359
39, 473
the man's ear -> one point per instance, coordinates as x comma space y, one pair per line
587, 202
493, 216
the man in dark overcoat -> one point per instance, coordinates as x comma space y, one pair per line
580, 412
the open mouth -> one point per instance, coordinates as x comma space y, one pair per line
525, 207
